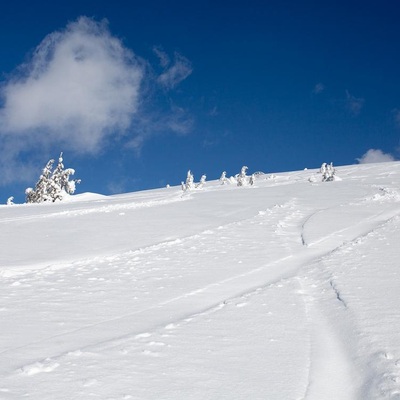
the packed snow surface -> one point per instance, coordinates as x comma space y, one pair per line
287, 289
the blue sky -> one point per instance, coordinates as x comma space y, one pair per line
136, 93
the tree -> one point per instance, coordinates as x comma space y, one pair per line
242, 178
189, 184
202, 182
328, 173
52, 185
189, 180
223, 178
61, 178
43, 186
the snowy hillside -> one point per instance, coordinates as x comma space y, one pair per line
287, 289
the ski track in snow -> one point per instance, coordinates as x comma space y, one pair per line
335, 365
172, 299
193, 247
203, 290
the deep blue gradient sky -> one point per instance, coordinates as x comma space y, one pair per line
275, 85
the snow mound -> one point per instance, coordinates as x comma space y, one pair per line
87, 196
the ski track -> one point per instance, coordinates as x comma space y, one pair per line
331, 372
337, 369
157, 247
377, 354
170, 304
203, 291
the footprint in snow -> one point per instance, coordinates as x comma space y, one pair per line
388, 356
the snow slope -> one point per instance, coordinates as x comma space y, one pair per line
287, 289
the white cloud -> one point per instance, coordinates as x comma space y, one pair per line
354, 104
173, 74
80, 86
375, 156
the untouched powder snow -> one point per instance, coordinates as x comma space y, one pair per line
288, 289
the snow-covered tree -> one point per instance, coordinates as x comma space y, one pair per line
202, 182
61, 178
10, 201
252, 179
242, 178
43, 186
189, 180
328, 173
52, 185
222, 178
189, 184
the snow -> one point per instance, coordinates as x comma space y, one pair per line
287, 289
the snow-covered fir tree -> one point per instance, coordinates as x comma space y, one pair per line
189, 184
189, 180
328, 173
42, 189
242, 178
202, 182
52, 185
223, 178
61, 178
10, 201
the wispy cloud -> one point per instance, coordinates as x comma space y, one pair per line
162, 56
175, 71
319, 88
153, 124
375, 156
173, 119
80, 86
354, 104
